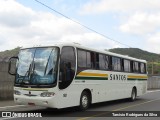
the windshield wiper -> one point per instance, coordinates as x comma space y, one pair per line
27, 72
47, 63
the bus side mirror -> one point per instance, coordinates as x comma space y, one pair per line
12, 65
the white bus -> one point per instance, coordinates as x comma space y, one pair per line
67, 75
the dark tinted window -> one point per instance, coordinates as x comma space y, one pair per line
68, 56
88, 60
127, 67
142, 68
116, 64
136, 67
103, 62
82, 58
67, 67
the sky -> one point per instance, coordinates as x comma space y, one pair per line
135, 23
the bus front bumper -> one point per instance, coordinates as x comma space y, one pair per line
37, 101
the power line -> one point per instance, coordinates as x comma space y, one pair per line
81, 24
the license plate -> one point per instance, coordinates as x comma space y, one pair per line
33, 104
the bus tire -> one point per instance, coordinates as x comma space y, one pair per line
133, 94
84, 101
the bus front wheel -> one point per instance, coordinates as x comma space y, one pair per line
84, 101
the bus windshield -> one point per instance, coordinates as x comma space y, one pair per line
37, 66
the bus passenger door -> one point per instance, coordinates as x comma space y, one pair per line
66, 75
67, 67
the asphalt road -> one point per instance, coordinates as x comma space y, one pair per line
147, 105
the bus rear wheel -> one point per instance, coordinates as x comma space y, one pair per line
84, 101
133, 95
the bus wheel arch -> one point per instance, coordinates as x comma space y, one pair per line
133, 94
85, 99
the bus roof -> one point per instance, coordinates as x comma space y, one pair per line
76, 45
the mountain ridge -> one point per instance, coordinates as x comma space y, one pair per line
137, 53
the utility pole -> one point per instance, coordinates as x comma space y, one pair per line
152, 67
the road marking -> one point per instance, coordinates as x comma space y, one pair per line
149, 91
98, 115
12, 106
8, 118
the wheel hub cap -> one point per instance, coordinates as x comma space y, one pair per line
84, 101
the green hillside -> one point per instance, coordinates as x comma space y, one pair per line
137, 53
5, 55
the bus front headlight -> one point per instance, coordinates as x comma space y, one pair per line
16, 92
47, 94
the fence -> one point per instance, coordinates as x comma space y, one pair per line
7, 82
154, 82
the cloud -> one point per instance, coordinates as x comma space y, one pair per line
13, 14
153, 43
139, 19
141, 23
103, 6
91, 40
22, 26
146, 26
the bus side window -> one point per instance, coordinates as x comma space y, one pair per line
93, 59
88, 57
127, 65
139, 67
103, 62
143, 68
122, 65
97, 61
110, 63
82, 59
131, 64
67, 67
116, 64
136, 67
